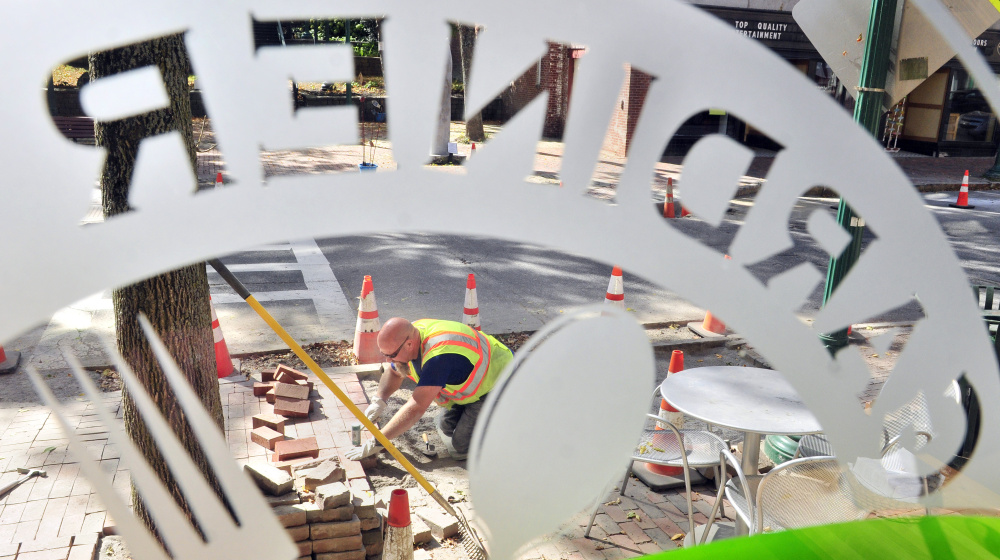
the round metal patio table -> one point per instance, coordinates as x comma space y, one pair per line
754, 401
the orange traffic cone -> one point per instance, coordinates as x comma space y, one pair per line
668, 201
398, 543
223, 362
616, 289
963, 194
711, 326
9, 360
670, 414
218, 180
470, 315
366, 332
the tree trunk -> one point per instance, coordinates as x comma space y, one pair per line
466, 43
176, 302
444, 117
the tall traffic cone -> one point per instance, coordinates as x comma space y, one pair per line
963, 194
668, 201
365, 347
223, 362
9, 360
616, 289
670, 414
398, 543
218, 180
470, 315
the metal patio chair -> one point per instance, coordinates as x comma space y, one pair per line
798, 493
701, 448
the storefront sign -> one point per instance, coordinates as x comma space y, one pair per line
776, 30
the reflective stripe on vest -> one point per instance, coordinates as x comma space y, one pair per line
478, 344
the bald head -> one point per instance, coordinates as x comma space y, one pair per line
393, 333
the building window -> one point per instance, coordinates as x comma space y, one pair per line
969, 116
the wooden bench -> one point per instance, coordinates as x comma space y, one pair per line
75, 128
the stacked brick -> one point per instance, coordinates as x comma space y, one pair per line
320, 512
289, 391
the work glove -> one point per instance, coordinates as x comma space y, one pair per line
368, 449
375, 410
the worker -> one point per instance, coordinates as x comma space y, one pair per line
452, 364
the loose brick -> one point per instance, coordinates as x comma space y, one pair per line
266, 437
261, 389
292, 408
364, 506
334, 495
442, 525
305, 548
286, 374
291, 391
290, 465
267, 375
299, 533
271, 480
291, 516
273, 421
369, 537
358, 554
325, 473
372, 523
308, 384
345, 513
336, 529
293, 448
269, 396
421, 532
340, 544
287, 499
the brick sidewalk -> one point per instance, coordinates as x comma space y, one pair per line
926, 173
60, 517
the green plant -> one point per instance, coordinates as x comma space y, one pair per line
457, 87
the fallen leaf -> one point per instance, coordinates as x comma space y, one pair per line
874, 355
718, 356
614, 502
677, 537
48, 450
699, 361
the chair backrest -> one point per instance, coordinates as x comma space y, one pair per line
804, 492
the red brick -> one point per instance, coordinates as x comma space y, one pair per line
634, 532
292, 408
269, 396
302, 383
668, 526
294, 448
291, 391
273, 421
261, 389
286, 374
616, 513
266, 437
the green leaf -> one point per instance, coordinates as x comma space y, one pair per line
49, 450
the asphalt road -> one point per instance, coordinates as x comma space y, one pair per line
312, 286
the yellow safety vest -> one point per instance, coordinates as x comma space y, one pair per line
488, 355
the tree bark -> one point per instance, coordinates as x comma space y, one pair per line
467, 35
444, 117
177, 302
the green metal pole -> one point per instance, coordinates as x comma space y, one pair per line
347, 41
867, 112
